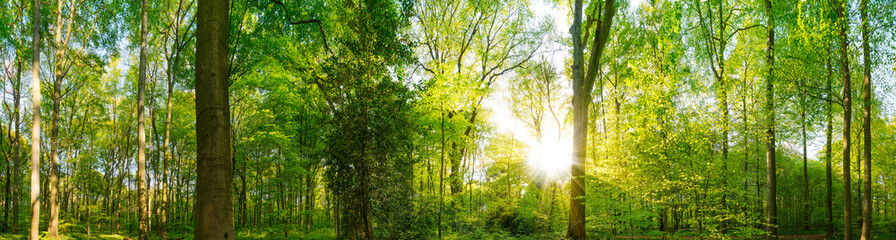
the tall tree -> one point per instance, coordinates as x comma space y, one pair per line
806, 197
582, 85
717, 41
866, 125
771, 188
213, 207
828, 132
142, 205
35, 122
17, 94
180, 29
53, 226
843, 22
494, 37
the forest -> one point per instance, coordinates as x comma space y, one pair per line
448, 119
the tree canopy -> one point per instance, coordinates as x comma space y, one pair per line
447, 119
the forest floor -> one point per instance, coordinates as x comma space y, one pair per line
329, 235
70, 236
172, 236
804, 236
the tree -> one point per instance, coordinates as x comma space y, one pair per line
771, 175
716, 45
173, 55
866, 125
843, 23
35, 122
493, 41
828, 132
213, 202
583, 83
142, 205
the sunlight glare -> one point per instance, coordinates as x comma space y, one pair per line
551, 158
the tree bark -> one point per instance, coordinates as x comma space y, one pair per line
847, 120
16, 161
214, 188
866, 123
164, 203
806, 196
829, 213
53, 227
35, 122
771, 188
583, 83
441, 174
142, 205
8, 187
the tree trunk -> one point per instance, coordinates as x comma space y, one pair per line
142, 206
829, 224
582, 86
213, 206
866, 125
7, 188
53, 227
163, 214
806, 196
16, 161
441, 174
847, 120
309, 202
771, 191
35, 122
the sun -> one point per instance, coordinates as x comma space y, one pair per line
551, 158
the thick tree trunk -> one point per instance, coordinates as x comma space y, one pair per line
142, 206
35, 122
847, 120
866, 125
576, 229
771, 191
214, 176
583, 83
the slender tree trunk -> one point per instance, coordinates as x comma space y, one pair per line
847, 120
309, 201
35, 122
441, 174
214, 176
771, 191
17, 143
53, 227
829, 213
725, 113
806, 196
142, 206
163, 225
7, 188
866, 123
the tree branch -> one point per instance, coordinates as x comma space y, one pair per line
315, 21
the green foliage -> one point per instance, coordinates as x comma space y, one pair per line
392, 119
